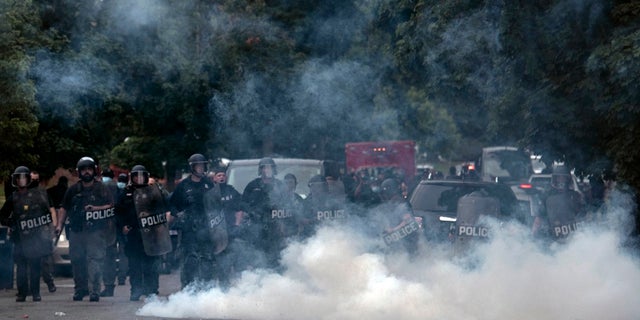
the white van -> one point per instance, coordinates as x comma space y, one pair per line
241, 172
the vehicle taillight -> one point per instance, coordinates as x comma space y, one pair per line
526, 186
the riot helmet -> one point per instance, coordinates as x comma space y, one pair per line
264, 163
87, 163
137, 172
196, 160
560, 177
21, 177
390, 188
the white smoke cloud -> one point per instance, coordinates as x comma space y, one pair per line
339, 274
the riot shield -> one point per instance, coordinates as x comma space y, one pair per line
216, 225
397, 235
561, 214
36, 235
471, 208
152, 221
217, 230
154, 231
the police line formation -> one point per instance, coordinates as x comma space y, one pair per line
222, 232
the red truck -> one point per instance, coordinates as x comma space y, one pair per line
382, 155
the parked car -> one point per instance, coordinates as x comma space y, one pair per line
543, 181
436, 202
61, 259
241, 172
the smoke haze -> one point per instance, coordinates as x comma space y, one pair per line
340, 274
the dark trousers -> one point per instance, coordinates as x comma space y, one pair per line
87, 251
28, 272
196, 268
47, 269
115, 263
143, 273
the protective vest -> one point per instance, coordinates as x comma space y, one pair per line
93, 220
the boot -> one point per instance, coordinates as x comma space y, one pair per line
94, 297
108, 291
78, 295
51, 286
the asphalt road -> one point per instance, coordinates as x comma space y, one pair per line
59, 305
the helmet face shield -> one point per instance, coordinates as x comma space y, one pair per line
199, 169
140, 177
198, 164
20, 180
264, 164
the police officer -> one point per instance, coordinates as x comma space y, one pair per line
394, 217
143, 214
89, 204
294, 206
320, 206
264, 197
47, 262
187, 206
561, 207
232, 260
30, 214
111, 265
473, 212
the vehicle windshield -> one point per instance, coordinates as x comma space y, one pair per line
439, 198
240, 175
506, 165
541, 182
444, 198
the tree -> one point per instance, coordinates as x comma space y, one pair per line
19, 34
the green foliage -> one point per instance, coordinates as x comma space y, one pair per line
130, 83
18, 121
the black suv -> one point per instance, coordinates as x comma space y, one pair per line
436, 201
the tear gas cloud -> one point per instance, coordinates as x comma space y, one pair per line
342, 274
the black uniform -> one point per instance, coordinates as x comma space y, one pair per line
269, 218
89, 232
115, 265
26, 211
390, 215
143, 267
188, 206
232, 259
